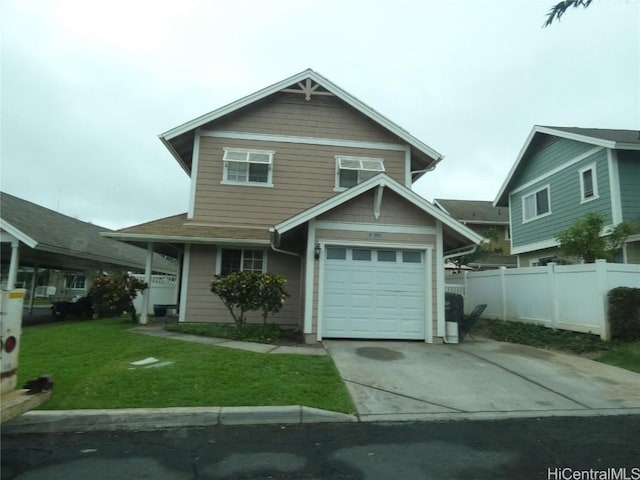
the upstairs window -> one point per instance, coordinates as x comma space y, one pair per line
536, 205
351, 171
248, 167
588, 184
241, 260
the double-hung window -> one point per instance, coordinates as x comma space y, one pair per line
588, 184
248, 167
241, 260
536, 204
351, 171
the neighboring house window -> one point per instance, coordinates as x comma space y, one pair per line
78, 282
351, 171
588, 184
536, 204
241, 260
248, 167
507, 232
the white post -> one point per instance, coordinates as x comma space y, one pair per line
601, 299
503, 292
551, 271
13, 265
146, 295
32, 294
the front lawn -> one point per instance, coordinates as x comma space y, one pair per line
620, 354
90, 362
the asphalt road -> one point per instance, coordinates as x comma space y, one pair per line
505, 449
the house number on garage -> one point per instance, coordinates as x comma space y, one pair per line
375, 235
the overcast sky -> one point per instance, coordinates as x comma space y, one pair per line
88, 85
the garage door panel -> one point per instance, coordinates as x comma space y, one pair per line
373, 299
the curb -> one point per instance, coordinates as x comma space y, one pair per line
149, 419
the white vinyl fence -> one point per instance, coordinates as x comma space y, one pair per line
163, 288
569, 297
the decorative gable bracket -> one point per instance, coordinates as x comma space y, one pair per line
308, 88
377, 201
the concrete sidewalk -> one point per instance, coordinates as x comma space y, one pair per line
157, 330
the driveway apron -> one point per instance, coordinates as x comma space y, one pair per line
481, 378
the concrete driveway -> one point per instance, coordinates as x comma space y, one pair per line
393, 380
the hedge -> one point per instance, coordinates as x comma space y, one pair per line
624, 313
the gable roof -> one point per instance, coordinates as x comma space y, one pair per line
608, 138
474, 211
179, 140
380, 180
64, 238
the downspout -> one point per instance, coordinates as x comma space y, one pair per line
275, 239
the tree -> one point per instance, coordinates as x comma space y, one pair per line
559, 9
586, 238
482, 251
115, 293
245, 291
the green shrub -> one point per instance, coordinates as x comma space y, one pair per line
245, 291
624, 313
114, 294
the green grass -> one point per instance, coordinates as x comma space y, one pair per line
248, 333
90, 365
620, 354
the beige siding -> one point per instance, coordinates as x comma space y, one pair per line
204, 306
394, 210
292, 115
303, 176
365, 236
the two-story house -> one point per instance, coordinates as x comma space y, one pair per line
490, 222
303, 180
561, 174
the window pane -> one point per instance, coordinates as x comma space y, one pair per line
411, 257
542, 202
230, 261
252, 261
348, 178
362, 255
529, 207
234, 155
258, 172
260, 157
386, 255
237, 171
373, 164
334, 253
348, 163
587, 183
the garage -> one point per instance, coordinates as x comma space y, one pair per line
373, 293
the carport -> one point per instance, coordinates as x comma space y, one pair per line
40, 238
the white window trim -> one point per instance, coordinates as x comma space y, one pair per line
594, 179
247, 151
264, 251
535, 192
337, 187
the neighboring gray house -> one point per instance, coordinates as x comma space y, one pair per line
490, 222
36, 237
561, 174
304, 180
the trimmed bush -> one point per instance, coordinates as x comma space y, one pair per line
624, 313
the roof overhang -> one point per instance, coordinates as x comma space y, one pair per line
379, 181
170, 137
502, 199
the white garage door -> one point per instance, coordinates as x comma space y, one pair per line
370, 293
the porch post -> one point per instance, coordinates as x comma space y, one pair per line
146, 295
13, 265
32, 294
